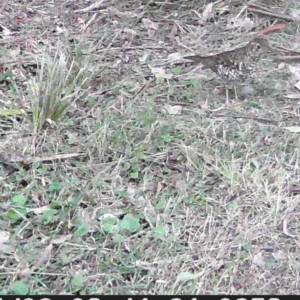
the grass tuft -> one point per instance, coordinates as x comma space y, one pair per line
60, 83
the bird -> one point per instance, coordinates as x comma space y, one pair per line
236, 65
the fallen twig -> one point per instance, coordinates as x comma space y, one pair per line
290, 58
91, 7
247, 118
267, 12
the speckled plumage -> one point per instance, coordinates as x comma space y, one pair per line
235, 65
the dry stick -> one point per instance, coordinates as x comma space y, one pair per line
285, 51
289, 58
246, 118
263, 11
41, 159
91, 7
55, 157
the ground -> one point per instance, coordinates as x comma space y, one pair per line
149, 183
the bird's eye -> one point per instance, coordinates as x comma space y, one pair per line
258, 47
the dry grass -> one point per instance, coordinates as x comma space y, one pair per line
174, 192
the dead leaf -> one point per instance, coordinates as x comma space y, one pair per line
123, 14
180, 185
259, 260
61, 29
40, 210
241, 23
151, 26
281, 65
217, 264
150, 213
107, 215
17, 157
130, 31
297, 85
160, 73
174, 56
173, 110
131, 191
208, 12
295, 13
4, 237
61, 239
159, 187
143, 59
25, 272
5, 31
44, 257
15, 52
279, 255
294, 129
173, 32
295, 71
292, 96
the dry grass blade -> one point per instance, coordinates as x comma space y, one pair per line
153, 186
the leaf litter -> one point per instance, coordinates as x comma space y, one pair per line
149, 198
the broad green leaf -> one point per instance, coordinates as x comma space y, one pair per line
49, 216
16, 214
109, 224
55, 186
19, 288
130, 223
185, 276
118, 238
19, 200
78, 282
160, 232
82, 229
